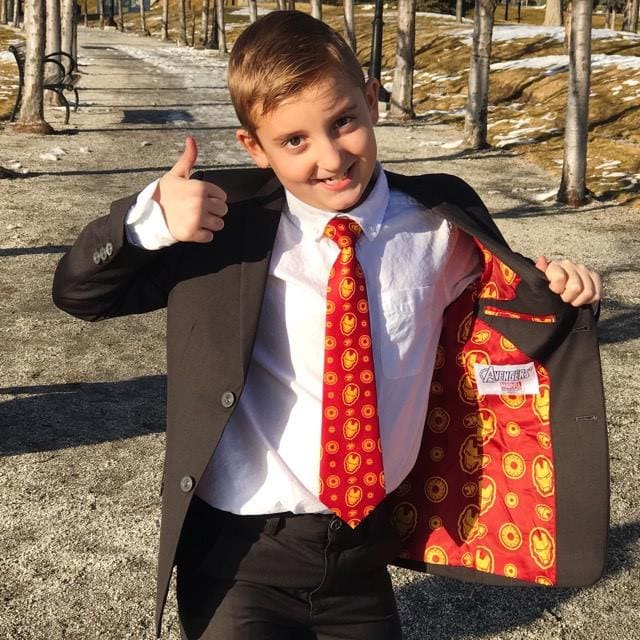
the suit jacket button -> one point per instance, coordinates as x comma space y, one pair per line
186, 484
103, 253
228, 399
96, 257
108, 248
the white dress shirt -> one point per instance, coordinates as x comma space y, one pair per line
415, 265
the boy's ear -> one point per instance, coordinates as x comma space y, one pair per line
372, 89
252, 147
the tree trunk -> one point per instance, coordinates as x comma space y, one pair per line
4, 10
31, 119
506, 9
401, 106
253, 10
349, 25
573, 187
192, 22
182, 17
222, 40
316, 9
553, 13
459, 10
143, 20
100, 12
66, 29
204, 24
120, 17
475, 124
16, 13
291, 5
165, 19
213, 40
53, 41
85, 13
633, 16
282, 5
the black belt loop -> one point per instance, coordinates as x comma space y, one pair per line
272, 525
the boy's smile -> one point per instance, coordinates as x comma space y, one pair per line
320, 142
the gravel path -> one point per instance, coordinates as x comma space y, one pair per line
81, 406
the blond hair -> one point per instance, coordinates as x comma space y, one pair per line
280, 55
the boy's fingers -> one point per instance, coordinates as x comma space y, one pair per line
214, 191
182, 168
203, 235
215, 206
211, 222
557, 277
542, 263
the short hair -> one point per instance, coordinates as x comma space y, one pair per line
280, 55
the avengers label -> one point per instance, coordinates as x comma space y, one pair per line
506, 379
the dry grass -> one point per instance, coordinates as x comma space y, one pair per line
524, 99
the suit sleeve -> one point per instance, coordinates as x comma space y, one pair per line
104, 276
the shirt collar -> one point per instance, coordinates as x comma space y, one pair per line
368, 214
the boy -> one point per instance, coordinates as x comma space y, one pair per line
277, 349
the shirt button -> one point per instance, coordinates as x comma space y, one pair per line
186, 484
336, 524
103, 253
108, 248
96, 257
228, 399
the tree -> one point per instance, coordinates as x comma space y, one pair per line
316, 9
120, 17
100, 7
143, 20
253, 10
31, 119
282, 5
67, 26
573, 185
4, 11
401, 106
349, 25
459, 10
16, 13
222, 40
630, 19
475, 123
53, 41
553, 13
165, 20
204, 24
182, 18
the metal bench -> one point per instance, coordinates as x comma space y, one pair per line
60, 74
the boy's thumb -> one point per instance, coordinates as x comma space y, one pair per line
183, 166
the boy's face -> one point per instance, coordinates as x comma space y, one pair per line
320, 142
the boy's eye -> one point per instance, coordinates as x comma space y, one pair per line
293, 141
344, 120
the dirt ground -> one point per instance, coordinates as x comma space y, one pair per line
82, 405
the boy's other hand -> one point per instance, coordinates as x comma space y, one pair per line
574, 283
193, 209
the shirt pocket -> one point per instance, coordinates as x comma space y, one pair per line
404, 326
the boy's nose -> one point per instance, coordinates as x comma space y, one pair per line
331, 159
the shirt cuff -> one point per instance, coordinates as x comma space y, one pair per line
145, 225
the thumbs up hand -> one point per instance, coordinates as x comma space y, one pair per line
193, 209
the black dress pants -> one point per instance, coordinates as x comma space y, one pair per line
285, 577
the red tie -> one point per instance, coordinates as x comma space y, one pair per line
351, 471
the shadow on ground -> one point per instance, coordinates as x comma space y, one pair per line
58, 416
441, 609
